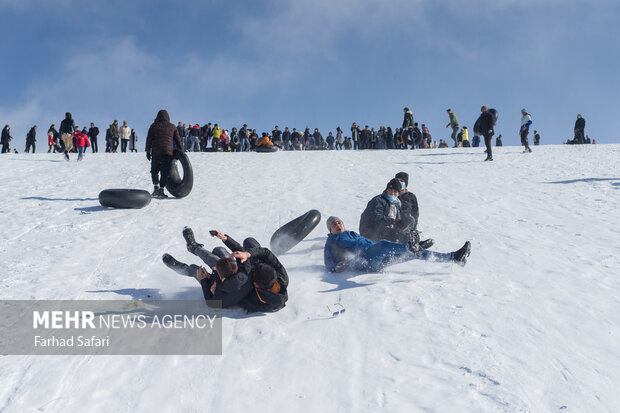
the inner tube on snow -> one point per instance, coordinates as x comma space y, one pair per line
291, 234
178, 187
124, 198
267, 148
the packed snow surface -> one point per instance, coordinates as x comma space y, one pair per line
530, 324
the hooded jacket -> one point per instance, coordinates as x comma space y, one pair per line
408, 120
267, 301
161, 134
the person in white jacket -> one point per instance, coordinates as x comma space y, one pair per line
526, 121
125, 133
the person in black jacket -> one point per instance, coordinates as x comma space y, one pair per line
580, 126
67, 127
485, 127
93, 132
269, 279
31, 138
383, 219
6, 138
228, 281
55, 136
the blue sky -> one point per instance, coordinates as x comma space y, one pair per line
312, 63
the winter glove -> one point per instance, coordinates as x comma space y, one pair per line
340, 266
148, 156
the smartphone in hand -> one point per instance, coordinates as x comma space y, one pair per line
213, 233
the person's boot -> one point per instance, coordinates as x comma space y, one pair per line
161, 193
427, 243
66, 156
188, 234
413, 244
460, 255
489, 158
173, 264
155, 193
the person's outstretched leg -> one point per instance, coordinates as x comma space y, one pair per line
180, 267
386, 253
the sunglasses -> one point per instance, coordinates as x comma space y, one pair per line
335, 311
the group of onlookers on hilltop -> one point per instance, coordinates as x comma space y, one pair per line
208, 137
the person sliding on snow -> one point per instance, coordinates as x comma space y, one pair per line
251, 276
526, 121
159, 150
349, 250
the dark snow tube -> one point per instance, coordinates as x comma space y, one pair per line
267, 148
124, 198
178, 187
494, 113
291, 234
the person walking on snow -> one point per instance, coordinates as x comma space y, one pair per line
159, 151
454, 124
485, 124
526, 121
124, 133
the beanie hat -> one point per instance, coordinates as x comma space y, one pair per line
404, 176
329, 222
394, 184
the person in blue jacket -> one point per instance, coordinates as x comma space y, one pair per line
526, 121
347, 250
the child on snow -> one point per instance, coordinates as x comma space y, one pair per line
81, 141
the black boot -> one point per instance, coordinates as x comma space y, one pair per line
188, 234
427, 243
413, 244
173, 264
161, 193
155, 193
460, 255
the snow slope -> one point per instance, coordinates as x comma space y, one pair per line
531, 324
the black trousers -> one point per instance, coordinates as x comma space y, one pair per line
93, 145
524, 141
124, 145
160, 168
488, 140
29, 144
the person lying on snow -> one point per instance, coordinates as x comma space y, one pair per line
349, 250
251, 276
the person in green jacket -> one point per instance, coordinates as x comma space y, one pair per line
454, 124
114, 134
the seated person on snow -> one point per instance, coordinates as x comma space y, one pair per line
234, 280
384, 218
349, 250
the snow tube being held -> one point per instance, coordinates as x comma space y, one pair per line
494, 113
266, 148
178, 187
290, 234
124, 198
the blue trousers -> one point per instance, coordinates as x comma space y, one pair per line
385, 253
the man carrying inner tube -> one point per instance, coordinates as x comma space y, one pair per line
251, 276
349, 250
159, 150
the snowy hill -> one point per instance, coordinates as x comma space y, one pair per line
531, 324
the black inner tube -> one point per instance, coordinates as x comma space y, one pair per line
177, 186
292, 233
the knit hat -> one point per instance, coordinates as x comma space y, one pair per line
329, 222
404, 176
394, 184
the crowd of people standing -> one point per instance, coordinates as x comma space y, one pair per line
207, 137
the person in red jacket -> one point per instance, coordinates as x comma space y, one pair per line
81, 142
